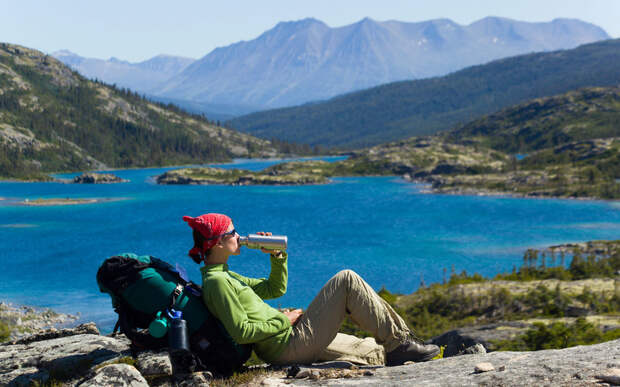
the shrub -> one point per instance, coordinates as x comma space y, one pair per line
5, 332
558, 335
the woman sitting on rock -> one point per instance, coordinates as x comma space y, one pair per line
292, 336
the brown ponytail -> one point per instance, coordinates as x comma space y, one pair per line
196, 253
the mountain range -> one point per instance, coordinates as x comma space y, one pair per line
403, 109
146, 76
306, 60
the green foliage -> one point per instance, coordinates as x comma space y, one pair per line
558, 335
594, 266
244, 377
254, 360
403, 109
464, 278
390, 298
5, 332
48, 383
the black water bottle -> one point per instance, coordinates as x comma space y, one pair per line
177, 333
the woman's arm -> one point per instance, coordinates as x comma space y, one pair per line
275, 285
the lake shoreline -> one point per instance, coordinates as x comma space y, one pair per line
53, 179
499, 194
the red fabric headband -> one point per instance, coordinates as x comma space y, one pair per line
209, 226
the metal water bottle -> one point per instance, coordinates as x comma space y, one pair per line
271, 242
177, 333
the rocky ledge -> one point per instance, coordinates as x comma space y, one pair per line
82, 357
97, 178
578, 366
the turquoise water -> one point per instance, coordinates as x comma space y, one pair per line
381, 227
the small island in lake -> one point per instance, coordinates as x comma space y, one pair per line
40, 202
97, 178
57, 202
275, 175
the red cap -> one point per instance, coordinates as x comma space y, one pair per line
210, 226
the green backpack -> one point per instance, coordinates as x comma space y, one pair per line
143, 286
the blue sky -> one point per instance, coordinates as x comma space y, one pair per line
136, 30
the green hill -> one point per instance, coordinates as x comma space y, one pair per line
585, 114
52, 119
403, 109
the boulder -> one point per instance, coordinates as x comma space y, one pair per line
458, 340
154, 364
473, 350
483, 367
62, 358
116, 375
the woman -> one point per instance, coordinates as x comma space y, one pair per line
292, 336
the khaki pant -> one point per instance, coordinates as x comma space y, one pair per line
315, 336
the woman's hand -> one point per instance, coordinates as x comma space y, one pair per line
266, 251
293, 315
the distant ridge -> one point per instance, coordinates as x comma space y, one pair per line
403, 109
144, 77
306, 60
301, 61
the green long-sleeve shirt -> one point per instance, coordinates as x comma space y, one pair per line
237, 301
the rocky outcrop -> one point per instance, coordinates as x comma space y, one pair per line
97, 178
75, 358
577, 366
64, 358
81, 357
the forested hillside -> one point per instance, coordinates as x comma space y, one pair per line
566, 145
403, 109
584, 114
52, 119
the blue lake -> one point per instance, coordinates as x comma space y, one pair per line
381, 227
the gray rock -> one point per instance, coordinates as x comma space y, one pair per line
458, 340
152, 363
116, 375
60, 358
193, 379
474, 349
611, 376
483, 367
53, 333
577, 366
